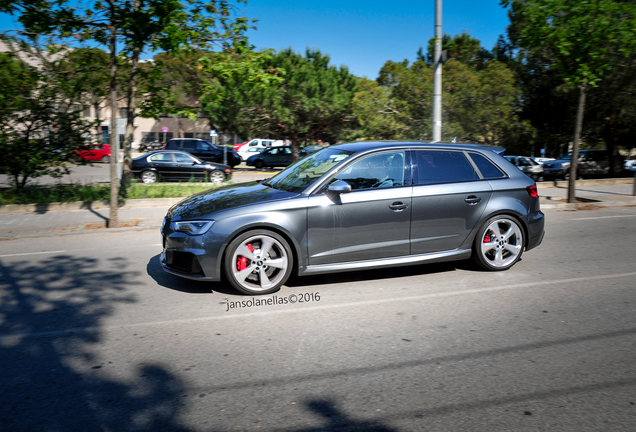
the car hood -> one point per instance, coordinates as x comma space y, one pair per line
205, 203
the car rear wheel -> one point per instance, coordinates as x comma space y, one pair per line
499, 243
216, 176
149, 177
258, 262
106, 159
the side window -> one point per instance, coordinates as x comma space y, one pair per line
486, 167
161, 157
188, 145
375, 171
182, 158
288, 150
442, 166
201, 145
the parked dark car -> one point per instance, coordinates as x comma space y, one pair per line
204, 150
353, 207
590, 163
177, 165
273, 157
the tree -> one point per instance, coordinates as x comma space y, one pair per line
313, 99
40, 118
137, 25
579, 38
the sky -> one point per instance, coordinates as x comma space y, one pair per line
362, 34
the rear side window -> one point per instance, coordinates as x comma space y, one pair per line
486, 167
442, 166
189, 145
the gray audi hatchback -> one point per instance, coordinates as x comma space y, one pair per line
357, 206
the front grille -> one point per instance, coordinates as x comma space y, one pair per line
182, 261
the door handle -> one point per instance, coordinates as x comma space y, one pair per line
472, 199
398, 206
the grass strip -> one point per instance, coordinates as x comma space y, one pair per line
60, 192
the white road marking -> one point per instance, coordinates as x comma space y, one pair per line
69, 251
605, 217
11, 339
32, 253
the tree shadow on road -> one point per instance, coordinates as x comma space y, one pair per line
51, 377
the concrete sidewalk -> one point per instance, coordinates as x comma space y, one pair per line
74, 218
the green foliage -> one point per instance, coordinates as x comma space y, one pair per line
283, 95
480, 98
40, 118
577, 36
77, 192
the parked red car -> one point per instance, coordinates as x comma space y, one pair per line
93, 153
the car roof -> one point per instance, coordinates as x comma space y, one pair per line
373, 145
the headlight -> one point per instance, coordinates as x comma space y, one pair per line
192, 227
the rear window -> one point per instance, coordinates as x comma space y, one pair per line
441, 166
488, 169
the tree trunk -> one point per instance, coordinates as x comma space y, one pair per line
575, 147
126, 174
113, 220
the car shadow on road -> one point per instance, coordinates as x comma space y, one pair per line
167, 280
378, 274
190, 286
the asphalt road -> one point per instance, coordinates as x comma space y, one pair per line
94, 336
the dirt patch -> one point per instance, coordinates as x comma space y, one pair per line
122, 224
587, 207
64, 229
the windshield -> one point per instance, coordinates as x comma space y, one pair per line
303, 173
567, 156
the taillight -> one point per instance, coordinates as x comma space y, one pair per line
532, 191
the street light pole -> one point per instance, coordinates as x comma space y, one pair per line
437, 76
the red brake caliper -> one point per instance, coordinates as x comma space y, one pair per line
486, 239
241, 262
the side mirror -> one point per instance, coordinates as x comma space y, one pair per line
339, 187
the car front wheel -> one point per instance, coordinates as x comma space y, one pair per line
258, 262
216, 176
149, 177
106, 159
499, 243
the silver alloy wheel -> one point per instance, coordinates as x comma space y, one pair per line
216, 176
106, 159
148, 177
260, 262
500, 244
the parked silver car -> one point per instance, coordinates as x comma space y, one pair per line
357, 206
527, 165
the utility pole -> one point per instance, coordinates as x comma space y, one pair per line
437, 76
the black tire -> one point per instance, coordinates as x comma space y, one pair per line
499, 243
216, 176
259, 164
250, 269
149, 177
106, 159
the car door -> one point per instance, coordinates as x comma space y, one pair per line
370, 222
186, 167
163, 163
448, 200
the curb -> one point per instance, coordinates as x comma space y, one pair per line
87, 205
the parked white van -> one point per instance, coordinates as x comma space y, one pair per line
257, 145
